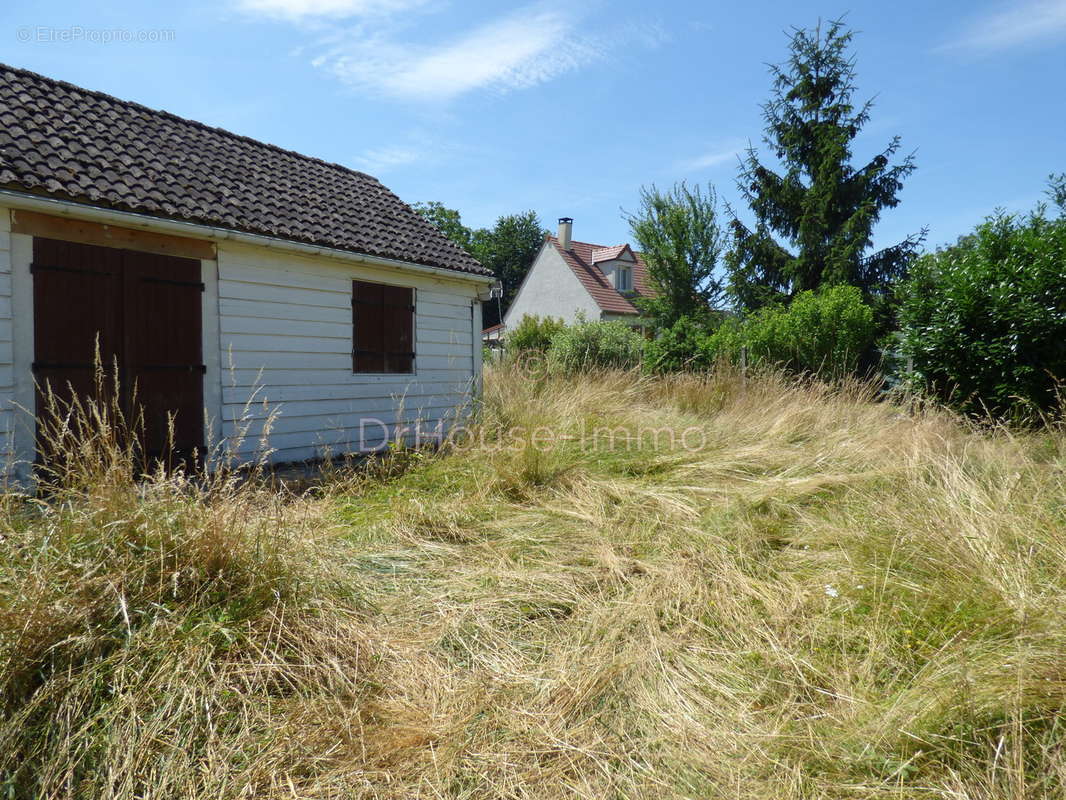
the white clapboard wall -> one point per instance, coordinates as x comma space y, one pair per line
285, 336
7, 371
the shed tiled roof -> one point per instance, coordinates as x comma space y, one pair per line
69, 143
580, 260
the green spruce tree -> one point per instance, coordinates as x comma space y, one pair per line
815, 216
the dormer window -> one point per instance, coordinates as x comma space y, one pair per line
623, 279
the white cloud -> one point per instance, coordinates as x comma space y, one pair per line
1017, 24
523, 49
336, 9
382, 159
714, 158
359, 42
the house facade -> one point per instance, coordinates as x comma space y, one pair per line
239, 287
572, 280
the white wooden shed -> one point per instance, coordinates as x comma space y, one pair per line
231, 281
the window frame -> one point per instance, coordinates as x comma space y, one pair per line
360, 303
627, 272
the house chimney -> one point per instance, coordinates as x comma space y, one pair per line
566, 230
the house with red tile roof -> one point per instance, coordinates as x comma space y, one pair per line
571, 279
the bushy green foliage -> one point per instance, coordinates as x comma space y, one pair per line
533, 334
508, 248
678, 234
685, 345
824, 333
595, 345
984, 321
448, 221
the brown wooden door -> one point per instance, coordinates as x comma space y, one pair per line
77, 302
145, 311
164, 353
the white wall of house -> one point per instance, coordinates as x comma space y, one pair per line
285, 325
551, 289
7, 359
277, 340
22, 398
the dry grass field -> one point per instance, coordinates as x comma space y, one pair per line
808, 595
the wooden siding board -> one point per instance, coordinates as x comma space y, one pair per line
267, 378
333, 362
241, 395
428, 315
425, 416
342, 439
234, 324
283, 311
241, 342
283, 295
349, 407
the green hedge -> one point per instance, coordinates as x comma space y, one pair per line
685, 345
533, 334
595, 345
984, 322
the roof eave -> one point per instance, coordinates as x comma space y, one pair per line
93, 213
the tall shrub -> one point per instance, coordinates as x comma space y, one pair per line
533, 334
679, 236
824, 333
595, 345
685, 345
984, 321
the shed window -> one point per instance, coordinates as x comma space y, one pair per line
383, 328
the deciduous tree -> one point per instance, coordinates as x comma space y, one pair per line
507, 248
448, 221
680, 240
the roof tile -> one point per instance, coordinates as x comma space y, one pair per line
580, 260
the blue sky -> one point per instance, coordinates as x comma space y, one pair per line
568, 108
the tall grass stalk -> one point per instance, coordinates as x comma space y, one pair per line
825, 597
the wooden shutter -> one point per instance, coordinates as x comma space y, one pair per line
146, 313
382, 328
77, 305
398, 311
164, 318
368, 354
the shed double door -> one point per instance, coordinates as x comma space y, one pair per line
138, 312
